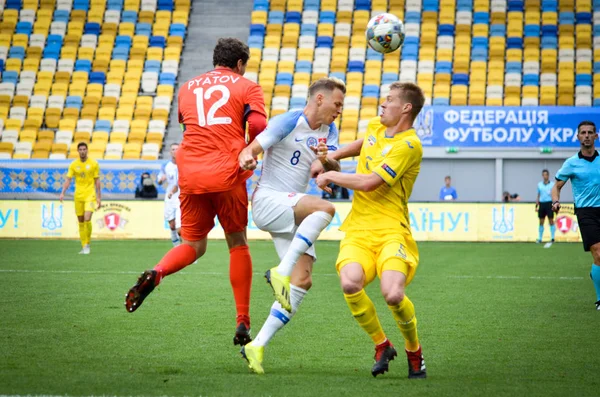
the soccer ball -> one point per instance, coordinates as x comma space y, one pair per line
385, 33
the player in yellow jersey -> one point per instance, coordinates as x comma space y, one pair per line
378, 239
87, 193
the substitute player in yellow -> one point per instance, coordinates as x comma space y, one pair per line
378, 239
87, 193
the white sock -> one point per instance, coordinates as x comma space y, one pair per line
174, 238
306, 235
279, 317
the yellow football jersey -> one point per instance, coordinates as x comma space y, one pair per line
397, 160
84, 174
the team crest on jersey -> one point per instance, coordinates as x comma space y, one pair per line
311, 141
371, 139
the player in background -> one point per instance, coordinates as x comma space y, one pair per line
87, 193
378, 239
543, 206
583, 169
213, 111
170, 174
292, 143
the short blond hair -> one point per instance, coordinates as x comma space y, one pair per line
411, 93
326, 84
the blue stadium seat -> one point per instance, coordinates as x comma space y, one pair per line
431, 5
97, 78
410, 52
515, 5
566, 18
531, 79
177, 29
362, 5
61, 16
293, 17
549, 42
325, 41
446, 30
129, 16
532, 31
513, 67
102, 125
152, 66
549, 5
297, 102
373, 55
308, 29
356, 66
73, 101
123, 41
83, 65
16, 52
583, 18
312, 5
514, 42
479, 42
257, 30
412, 17
284, 79
121, 53
596, 67
166, 78
339, 75
497, 30
52, 51
116, 5
23, 28
276, 17
165, 5
441, 101
389, 78
91, 28
10, 76
81, 5
303, 67
13, 4
479, 54
261, 5
481, 17
1, 64
549, 30
157, 41
143, 29
464, 5
443, 67
255, 42
583, 79
370, 91
327, 17
460, 79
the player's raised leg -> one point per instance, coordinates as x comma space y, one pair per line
312, 215
301, 282
393, 285
197, 219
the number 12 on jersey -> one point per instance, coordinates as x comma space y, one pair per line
209, 118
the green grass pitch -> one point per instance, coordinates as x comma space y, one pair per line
495, 319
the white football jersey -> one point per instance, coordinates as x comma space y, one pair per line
169, 169
288, 157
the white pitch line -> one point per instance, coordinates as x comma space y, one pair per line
568, 278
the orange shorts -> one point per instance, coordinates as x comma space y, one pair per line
198, 212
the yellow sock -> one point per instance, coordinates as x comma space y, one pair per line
405, 317
82, 233
364, 312
88, 231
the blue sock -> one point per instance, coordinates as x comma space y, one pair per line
552, 231
595, 273
540, 232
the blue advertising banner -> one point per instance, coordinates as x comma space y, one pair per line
479, 126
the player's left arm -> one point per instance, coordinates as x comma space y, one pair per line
361, 182
562, 176
98, 185
254, 112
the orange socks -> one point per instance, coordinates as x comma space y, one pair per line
175, 260
240, 276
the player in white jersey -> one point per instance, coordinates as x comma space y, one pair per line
295, 146
170, 174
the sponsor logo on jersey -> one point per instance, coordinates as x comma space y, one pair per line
371, 139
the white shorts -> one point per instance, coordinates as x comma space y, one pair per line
273, 212
173, 211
